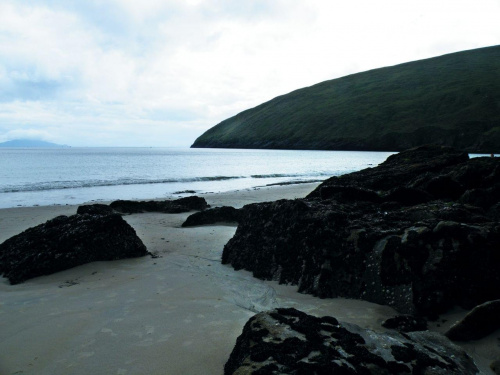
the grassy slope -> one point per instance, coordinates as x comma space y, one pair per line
452, 99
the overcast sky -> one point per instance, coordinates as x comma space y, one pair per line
161, 72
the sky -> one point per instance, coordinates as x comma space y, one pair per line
158, 73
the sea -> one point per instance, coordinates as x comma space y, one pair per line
61, 176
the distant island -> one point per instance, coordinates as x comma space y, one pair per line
30, 143
451, 100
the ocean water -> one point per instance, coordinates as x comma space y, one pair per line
30, 177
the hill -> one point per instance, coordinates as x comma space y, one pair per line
451, 100
29, 143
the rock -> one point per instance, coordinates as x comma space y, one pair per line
494, 212
399, 169
420, 256
215, 215
443, 187
406, 323
495, 367
482, 197
413, 259
349, 193
476, 173
478, 323
288, 341
65, 242
95, 209
185, 192
408, 196
169, 206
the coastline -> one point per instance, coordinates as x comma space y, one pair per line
179, 313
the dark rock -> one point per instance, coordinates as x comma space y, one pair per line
494, 212
406, 323
420, 257
288, 341
495, 366
476, 173
65, 242
482, 197
442, 187
408, 196
95, 209
349, 194
215, 215
169, 206
399, 169
414, 259
478, 323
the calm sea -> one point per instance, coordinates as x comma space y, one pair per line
31, 177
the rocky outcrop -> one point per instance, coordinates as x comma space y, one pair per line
65, 242
95, 209
169, 206
287, 341
478, 323
409, 240
225, 214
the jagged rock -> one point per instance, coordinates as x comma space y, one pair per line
478, 323
414, 259
95, 209
288, 341
65, 242
169, 206
420, 258
399, 169
406, 323
215, 215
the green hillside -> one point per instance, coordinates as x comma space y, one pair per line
451, 100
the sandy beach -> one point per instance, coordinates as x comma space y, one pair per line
179, 313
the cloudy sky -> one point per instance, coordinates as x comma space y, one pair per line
161, 72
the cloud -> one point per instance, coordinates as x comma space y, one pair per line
159, 73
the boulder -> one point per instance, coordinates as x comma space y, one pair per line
95, 209
225, 214
168, 206
406, 323
414, 259
478, 323
65, 242
288, 341
416, 253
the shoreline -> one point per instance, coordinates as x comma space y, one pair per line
179, 313
66, 198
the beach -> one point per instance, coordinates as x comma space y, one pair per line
178, 313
